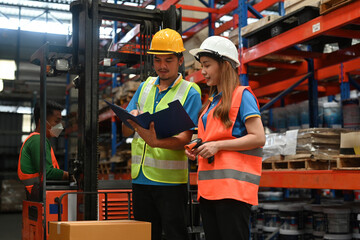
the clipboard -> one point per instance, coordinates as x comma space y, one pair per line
168, 122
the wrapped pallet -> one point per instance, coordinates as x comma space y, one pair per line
12, 195
324, 141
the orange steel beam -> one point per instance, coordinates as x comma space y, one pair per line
277, 86
101, 74
278, 75
188, 19
166, 4
263, 101
230, 6
346, 33
342, 55
304, 87
266, 64
195, 77
106, 115
335, 70
145, 3
234, 24
199, 9
227, 25
330, 21
262, 6
227, 8
355, 72
302, 54
318, 179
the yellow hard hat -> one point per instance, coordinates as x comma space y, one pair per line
166, 41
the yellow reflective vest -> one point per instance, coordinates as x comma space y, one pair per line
159, 164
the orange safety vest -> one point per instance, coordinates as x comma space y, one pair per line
29, 179
232, 174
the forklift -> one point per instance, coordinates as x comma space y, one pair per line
88, 198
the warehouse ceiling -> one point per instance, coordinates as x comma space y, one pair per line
22, 32
25, 25
28, 81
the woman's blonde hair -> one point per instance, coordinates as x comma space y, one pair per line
229, 80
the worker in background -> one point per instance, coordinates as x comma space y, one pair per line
159, 167
232, 132
29, 158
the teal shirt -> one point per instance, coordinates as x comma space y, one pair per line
30, 159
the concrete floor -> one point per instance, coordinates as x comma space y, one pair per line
10, 226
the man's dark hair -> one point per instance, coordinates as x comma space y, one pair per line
51, 106
179, 55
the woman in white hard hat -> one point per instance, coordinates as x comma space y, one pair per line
232, 133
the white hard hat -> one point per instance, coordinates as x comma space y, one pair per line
219, 46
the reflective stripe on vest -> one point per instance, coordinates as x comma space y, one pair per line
158, 164
233, 174
30, 181
229, 173
162, 164
179, 95
258, 152
145, 92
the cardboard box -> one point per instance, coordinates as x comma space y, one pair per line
350, 143
95, 230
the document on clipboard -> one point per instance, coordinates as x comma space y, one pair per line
168, 122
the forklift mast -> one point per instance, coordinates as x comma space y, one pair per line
87, 16
84, 63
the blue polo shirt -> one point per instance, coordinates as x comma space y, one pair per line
248, 109
192, 106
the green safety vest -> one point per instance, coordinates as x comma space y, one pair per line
159, 164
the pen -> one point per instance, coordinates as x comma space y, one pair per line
138, 107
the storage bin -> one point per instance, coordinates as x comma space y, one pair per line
271, 215
337, 220
332, 115
291, 217
270, 231
351, 113
318, 220
291, 234
338, 236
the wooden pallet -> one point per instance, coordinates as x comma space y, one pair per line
293, 5
234, 34
104, 167
281, 25
348, 162
301, 162
330, 5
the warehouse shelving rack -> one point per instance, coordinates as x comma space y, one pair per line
311, 75
285, 45
340, 64
123, 42
305, 79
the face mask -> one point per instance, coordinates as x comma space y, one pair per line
56, 130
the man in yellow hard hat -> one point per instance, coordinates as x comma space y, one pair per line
159, 166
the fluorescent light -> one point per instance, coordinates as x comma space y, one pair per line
15, 109
1, 85
7, 69
22, 110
